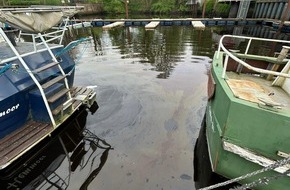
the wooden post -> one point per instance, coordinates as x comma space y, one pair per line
284, 16
203, 8
126, 8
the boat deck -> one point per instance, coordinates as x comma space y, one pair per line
262, 88
23, 139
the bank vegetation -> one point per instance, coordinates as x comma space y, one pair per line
138, 6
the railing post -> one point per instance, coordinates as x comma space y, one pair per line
64, 29
248, 46
34, 43
225, 66
219, 48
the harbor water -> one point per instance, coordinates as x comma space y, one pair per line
151, 89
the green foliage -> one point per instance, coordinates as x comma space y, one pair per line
94, 1
183, 7
223, 8
114, 6
209, 6
137, 6
163, 6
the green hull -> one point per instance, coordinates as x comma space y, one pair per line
260, 130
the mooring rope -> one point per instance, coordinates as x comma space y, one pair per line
270, 167
5, 68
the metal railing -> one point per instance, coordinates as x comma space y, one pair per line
248, 66
56, 34
2, 33
49, 37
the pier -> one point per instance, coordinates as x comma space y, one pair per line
174, 22
198, 24
152, 25
113, 25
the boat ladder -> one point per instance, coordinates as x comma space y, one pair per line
64, 91
63, 95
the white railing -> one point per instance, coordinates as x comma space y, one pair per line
2, 33
45, 39
231, 55
56, 34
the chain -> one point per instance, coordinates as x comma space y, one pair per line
270, 167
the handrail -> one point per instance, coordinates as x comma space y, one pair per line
3, 61
259, 70
53, 35
55, 60
50, 35
31, 75
45, 43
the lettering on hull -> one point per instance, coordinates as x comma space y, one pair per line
9, 110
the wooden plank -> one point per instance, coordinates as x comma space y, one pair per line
20, 140
16, 133
152, 25
75, 90
76, 103
53, 81
113, 25
198, 24
82, 91
57, 95
45, 67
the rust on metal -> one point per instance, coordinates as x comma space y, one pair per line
210, 86
246, 90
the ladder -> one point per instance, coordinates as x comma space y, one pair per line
48, 100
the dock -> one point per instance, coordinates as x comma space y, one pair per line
152, 25
113, 25
198, 24
203, 22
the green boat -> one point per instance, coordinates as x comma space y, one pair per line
245, 134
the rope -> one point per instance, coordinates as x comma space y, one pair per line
270, 167
262, 181
5, 68
71, 45
20, 70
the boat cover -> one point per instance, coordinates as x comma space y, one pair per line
33, 21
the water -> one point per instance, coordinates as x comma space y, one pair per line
152, 91
152, 96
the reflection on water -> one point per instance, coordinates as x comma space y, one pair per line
162, 48
53, 163
166, 46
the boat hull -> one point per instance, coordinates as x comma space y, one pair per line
260, 132
204, 175
31, 169
20, 100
